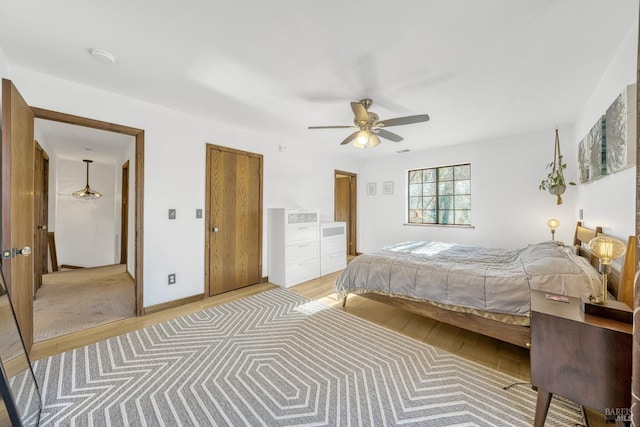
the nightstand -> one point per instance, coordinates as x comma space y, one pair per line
582, 357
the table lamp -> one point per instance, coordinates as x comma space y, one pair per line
553, 225
606, 249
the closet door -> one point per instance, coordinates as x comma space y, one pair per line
234, 220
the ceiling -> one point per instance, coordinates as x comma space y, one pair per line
480, 68
78, 142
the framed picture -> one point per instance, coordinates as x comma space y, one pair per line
371, 188
387, 187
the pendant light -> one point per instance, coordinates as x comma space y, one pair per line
87, 193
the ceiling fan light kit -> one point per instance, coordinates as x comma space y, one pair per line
370, 126
87, 193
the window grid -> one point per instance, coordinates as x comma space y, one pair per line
440, 195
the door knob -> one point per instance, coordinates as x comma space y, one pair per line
42, 227
215, 229
26, 251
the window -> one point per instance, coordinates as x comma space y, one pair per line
440, 195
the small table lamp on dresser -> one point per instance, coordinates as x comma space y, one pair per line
606, 249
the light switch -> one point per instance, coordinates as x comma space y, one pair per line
172, 214
198, 213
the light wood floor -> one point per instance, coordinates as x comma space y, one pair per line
498, 355
495, 354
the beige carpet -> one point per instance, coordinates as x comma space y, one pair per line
72, 300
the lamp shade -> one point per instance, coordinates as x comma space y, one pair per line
607, 248
553, 223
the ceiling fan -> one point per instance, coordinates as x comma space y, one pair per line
370, 127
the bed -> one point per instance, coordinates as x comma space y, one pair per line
483, 290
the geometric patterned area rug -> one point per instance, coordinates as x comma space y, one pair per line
276, 359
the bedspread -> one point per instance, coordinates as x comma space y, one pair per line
494, 280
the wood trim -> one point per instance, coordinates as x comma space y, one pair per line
124, 214
139, 226
175, 303
53, 253
41, 215
56, 116
626, 291
138, 134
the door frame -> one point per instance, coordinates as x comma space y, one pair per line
41, 215
352, 232
138, 134
124, 215
207, 213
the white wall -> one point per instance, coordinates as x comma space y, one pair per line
175, 174
4, 71
85, 229
610, 201
508, 209
4, 65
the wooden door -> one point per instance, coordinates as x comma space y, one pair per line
41, 216
345, 187
17, 205
233, 220
124, 215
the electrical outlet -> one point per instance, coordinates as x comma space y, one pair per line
172, 214
198, 213
172, 279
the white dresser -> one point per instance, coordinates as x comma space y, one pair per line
333, 247
294, 245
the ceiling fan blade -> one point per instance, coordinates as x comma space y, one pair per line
350, 138
388, 135
361, 113
331, 127
373, 140
404, 120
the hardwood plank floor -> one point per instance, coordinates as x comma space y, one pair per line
495, 354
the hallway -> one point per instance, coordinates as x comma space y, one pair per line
72, 300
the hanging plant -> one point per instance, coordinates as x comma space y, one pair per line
555, 182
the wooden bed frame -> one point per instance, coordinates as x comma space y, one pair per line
620, 285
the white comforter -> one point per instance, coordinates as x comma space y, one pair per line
494, 280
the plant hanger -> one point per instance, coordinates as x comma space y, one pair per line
555, 182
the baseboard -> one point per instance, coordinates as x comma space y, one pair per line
170, 304
265, 279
